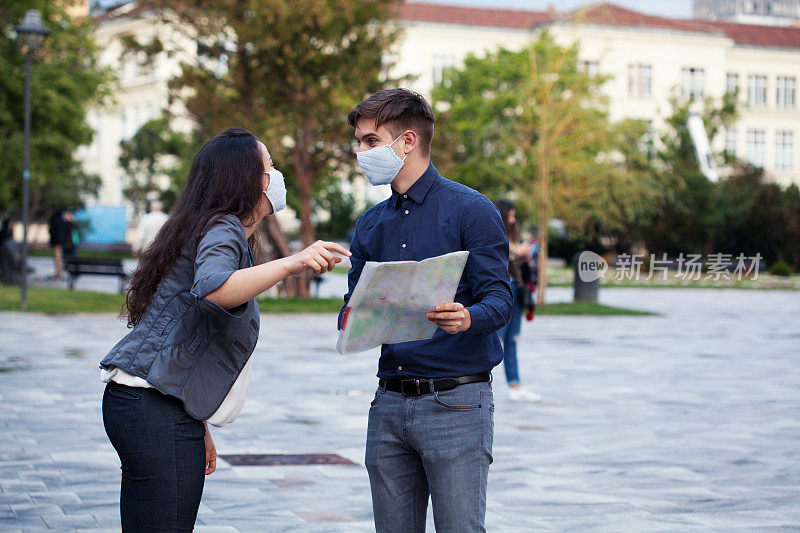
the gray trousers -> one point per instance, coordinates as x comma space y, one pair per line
433, 445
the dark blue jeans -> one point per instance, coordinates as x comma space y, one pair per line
508, 336
434, 445
163, 458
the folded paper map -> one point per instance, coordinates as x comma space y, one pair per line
390, 300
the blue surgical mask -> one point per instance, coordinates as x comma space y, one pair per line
276, 190
380, 165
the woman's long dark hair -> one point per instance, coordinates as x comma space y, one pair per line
225, 178
512, 231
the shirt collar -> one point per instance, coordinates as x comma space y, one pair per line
419, 189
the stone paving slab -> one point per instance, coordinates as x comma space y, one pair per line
688, 421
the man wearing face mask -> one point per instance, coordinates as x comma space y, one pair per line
431, 423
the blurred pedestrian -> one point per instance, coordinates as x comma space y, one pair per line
519, 257
58, 233
192, 306
150, 225
70, 236
10, 263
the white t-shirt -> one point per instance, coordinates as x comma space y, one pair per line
149, 226
229, 409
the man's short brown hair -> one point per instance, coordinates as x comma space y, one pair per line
399, 110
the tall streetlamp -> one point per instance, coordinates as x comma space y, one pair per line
31, 34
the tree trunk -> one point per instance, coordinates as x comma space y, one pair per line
293, 286
305, 180
301, 159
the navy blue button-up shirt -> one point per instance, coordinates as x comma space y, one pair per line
437, 216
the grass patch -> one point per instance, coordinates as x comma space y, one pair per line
57, 301
588, 308
94, 254
54, 301
300, 305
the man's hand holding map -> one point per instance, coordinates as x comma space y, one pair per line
391, 300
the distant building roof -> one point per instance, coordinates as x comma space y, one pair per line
604, 14
129, 9
474, 16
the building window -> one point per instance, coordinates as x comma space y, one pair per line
440, 64
692, 82
784, 150
730, 140
592, 68
640, 81
757, 90
731, 83
786, 91
756, 147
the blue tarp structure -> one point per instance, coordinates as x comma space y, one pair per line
102, 224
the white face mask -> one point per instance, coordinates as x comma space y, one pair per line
380, 165
276, 190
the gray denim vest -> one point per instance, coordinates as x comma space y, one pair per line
185, 345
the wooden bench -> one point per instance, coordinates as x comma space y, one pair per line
77, 267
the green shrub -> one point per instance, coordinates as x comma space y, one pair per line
780, 268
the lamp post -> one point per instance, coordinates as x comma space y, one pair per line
31, 34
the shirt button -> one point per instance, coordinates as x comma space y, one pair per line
406, 211
404, 245
399, 368
405, 196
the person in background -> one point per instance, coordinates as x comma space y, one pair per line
58, 230
10, 264
519, 254
70, 236
150, 225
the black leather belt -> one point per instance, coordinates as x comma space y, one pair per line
415, 387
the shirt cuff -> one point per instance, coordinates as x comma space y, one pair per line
478, 320
208, 285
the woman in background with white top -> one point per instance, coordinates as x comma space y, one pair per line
194, 318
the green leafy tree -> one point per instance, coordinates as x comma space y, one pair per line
66, 81
742, 213
156, 161
690, 217
342, 209
532, 126
288, 70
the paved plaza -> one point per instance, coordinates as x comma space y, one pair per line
687, 421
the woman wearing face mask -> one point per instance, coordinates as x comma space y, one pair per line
194, 318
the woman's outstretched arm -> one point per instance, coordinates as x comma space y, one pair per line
247, 283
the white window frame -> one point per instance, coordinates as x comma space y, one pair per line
785, 92
590, 67
692, 82
441, 62
730, 140
757, 90
756, 147
731, 82
640, 80
784, 150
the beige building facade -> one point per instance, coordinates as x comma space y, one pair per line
650, 59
